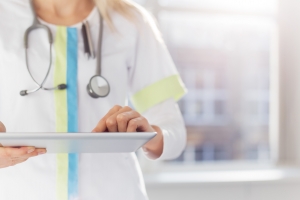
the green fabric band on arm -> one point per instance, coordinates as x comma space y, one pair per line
170, 87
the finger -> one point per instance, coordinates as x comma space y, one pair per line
138, 124
108, 122
101, 126
2, 127
124, 118
36, 152
17, 152
41, 151
111, 122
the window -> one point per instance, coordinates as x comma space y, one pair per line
222, 49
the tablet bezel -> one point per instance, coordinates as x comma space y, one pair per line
116, 142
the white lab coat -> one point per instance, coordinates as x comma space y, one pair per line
134, 57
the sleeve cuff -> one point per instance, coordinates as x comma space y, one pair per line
168, 152
170, 87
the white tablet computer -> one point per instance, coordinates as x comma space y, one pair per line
79, 142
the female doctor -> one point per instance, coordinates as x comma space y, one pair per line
82, 60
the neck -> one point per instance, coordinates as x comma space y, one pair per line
63, 12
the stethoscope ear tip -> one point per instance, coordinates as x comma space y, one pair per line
62, 86
23, 93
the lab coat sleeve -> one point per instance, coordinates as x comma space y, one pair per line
167, 116
155, 86
153, 77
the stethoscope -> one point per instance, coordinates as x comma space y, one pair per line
97, 87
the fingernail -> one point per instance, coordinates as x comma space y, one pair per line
41, 152
30, 150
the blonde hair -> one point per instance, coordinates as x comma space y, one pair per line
124, 7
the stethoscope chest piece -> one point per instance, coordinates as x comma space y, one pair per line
98, 87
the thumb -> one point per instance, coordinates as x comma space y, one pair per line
2, 127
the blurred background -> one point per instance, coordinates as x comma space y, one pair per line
239, 60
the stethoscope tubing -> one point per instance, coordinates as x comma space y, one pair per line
99, 48
37, 25
40, 86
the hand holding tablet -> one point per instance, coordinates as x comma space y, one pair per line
125, 119
10, 156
